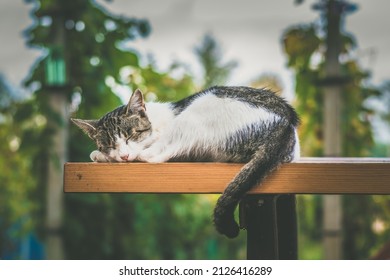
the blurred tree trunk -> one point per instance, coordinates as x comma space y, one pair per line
57, 157
332, 222
58, 127
325, 85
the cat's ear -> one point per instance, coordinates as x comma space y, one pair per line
88, 126
136, 103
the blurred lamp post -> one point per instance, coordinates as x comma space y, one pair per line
333, 12
55, 74
56, 87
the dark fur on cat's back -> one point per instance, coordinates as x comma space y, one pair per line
226, 124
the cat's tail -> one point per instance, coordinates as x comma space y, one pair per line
268, 157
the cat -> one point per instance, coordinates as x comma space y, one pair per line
219, 124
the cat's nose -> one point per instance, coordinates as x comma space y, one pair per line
125, 157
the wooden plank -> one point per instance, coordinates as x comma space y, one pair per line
308, 176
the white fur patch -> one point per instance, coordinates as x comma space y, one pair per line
160, 115
224, 116
212, 120
297, 148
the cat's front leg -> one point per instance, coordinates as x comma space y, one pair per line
157, 153
98, 156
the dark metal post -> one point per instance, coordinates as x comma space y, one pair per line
271, 224
287, 227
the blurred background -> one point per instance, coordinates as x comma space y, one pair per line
83, 58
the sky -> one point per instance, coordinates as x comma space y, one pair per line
249, 32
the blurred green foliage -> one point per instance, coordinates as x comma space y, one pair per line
210, 55
305, 50
99, 226
121, 226
16, 180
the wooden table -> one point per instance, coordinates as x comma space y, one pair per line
268, 213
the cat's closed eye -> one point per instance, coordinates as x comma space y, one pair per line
102, 148
142, 130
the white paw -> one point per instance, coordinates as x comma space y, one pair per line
150, 152
153, 155
97, 156
158, 159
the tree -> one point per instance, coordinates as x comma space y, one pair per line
304, 47
381, 105
82, 48
99, 66
16, 181
215, 71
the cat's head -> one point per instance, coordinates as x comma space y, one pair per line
118, 133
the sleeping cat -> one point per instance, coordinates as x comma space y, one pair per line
221, 124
